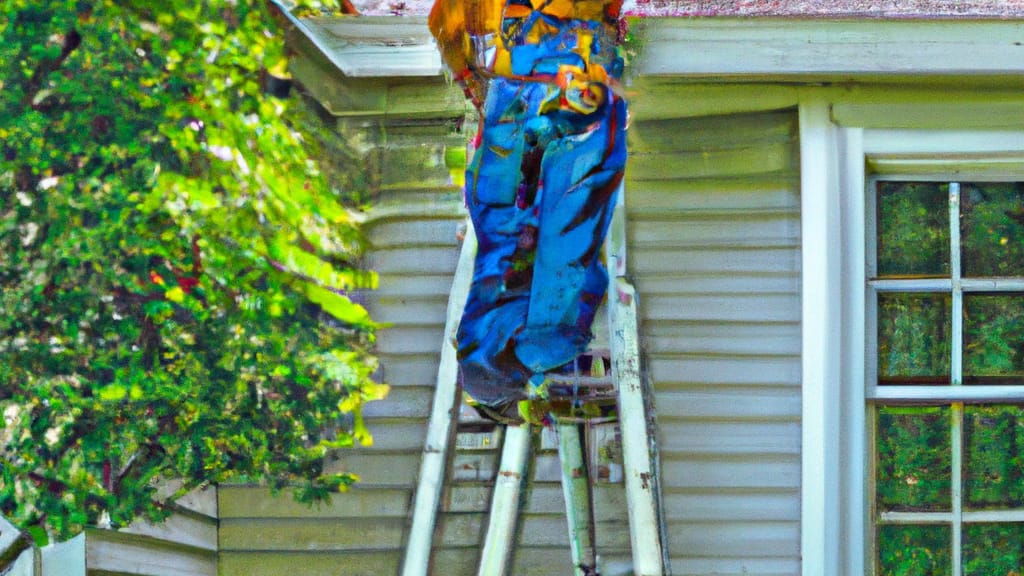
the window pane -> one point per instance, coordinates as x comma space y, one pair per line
992, 229
994, 450
913, 229
913, 338
914, 459
994, 339
914, 550
993, 549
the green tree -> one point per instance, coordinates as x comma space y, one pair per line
174, 268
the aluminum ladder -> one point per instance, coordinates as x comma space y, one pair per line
639, 466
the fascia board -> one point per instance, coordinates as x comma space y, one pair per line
374, 47
775, 49
799, 50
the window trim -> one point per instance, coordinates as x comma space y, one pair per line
835, 163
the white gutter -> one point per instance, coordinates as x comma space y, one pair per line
504, 515
775, 49
439, 431
375, 47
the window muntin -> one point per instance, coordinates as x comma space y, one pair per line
945, 316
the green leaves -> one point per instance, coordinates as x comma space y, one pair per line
339, 306
113, 393
174, 269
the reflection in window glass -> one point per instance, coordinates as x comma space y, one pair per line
913, 338
914, 550
913, 229
992, 229
993, 465
913, 459
918, 449
994, 339
993, 549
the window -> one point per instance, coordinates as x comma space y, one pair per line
856, 411
944, 327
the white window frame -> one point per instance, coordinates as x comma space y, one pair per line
835, 165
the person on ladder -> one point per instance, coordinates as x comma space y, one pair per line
541, 187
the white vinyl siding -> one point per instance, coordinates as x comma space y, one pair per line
411, 231
714, 250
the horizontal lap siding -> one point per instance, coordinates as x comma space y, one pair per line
184, 544
541, 540
415, 251
114, 553
412, 235
542, 546
714, 232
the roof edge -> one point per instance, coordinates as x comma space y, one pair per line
777, 49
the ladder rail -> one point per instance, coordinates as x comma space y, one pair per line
646, 525
439, 431
639, 474
645, 521
639, 465
577, 491
504, 515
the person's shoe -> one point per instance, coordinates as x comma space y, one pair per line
535, 412
505, 415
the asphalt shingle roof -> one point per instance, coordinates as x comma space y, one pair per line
804, 8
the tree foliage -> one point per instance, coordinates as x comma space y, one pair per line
175, 270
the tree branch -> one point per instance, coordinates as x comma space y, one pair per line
72, 40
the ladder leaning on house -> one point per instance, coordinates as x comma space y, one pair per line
645, 524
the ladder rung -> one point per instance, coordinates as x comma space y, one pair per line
558, 396
581, 381
592, 420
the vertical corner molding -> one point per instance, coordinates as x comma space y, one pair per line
821, 299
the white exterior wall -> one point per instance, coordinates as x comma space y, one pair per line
714, 232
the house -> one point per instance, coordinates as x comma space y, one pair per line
754, 218
765, 156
